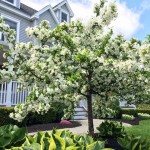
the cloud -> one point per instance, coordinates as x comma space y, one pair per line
127, 23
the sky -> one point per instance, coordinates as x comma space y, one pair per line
133, 15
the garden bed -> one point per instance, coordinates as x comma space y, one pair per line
50, 126
131, 122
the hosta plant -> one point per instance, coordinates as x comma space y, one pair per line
60, 140
111, 129
11, 135
134, 143
144, 115
127, 117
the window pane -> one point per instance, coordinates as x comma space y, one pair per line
10, 1
63, 17
12, 25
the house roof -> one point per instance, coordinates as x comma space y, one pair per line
64, 2
48, 7
30, 13
26, 9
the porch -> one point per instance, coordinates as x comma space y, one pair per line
10, 95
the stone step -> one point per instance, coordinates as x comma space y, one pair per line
80, 117
79, 109
80, 113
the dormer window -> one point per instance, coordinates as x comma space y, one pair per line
64, 16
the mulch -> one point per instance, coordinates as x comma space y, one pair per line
50, 126
131, 122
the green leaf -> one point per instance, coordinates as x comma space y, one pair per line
96, 146
60, 142
30, 139
45, 144
5, 140
38, 137
17, 148
34, 146
52, 144
73, 148
19, 135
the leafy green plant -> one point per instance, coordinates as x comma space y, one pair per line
60, 140
134, 143
144, 115
105, 109
143, 110
111, 129
129, 111
11, 135
127, 117
53, 115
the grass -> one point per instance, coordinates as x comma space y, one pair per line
143, 129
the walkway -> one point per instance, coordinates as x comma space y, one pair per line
84, 128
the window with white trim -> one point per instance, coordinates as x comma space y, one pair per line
11, 2
64, 17
13, 24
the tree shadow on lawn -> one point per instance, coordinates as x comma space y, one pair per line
50, 126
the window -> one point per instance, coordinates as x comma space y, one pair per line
64, 17
11, 2
13, 23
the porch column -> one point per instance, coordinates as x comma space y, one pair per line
9, 94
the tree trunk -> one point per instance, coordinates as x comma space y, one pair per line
90, 115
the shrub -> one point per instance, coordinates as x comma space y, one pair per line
147, 111
134, 112
129, 111
144, 115
53, 115
127, 117
4, 116
134, 143
105, 109
111, 129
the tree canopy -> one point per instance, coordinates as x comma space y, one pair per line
78, 61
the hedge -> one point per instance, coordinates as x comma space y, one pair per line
147, 111
133, 111
52, 116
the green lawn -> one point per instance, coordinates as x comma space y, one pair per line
143, 129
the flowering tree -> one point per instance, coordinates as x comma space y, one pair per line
77, 61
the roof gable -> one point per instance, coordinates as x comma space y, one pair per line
65, 2
48, 7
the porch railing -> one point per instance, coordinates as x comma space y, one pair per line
10, 95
